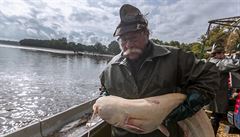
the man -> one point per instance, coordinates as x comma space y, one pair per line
225, 65
144, 69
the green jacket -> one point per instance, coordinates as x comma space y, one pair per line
165, 70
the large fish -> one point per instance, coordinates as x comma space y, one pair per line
145, 115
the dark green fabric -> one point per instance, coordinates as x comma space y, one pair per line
165, 70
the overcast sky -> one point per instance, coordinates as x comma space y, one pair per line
88, 21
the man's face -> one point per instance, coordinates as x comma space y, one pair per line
133, 44
219, 55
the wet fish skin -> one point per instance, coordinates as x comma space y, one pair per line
145, 115
197, 126
137, 115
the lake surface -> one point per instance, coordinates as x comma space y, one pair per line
35, 85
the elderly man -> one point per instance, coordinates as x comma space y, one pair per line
145, 69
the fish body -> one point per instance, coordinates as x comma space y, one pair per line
145, 115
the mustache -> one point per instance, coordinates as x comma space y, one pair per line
132, 51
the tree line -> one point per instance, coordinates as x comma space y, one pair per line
62, 44
218, 34
9, 42
112, 48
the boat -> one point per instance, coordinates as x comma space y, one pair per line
69, 123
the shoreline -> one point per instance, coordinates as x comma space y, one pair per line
55, 50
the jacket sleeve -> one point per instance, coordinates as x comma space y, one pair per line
196, 75
199, 81
102, 89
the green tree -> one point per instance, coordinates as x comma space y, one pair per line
113, 48
218, 34
100, 48
157, 41
196, 48
174, 43
73, 46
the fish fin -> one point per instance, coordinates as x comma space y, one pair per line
164, 130
134, 128
129, 124
133, 121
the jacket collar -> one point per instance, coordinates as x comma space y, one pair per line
157, 51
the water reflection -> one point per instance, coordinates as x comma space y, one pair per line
34, 85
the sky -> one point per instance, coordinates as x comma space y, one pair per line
91, 21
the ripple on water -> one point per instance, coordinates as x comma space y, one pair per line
24, 93
5, 113
3, 119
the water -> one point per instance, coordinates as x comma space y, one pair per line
35, 85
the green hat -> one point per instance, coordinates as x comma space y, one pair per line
131, 20
217, 47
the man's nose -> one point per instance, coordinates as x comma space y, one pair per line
129, 44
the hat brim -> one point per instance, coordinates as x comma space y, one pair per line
128, 28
